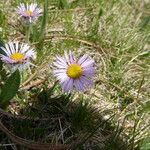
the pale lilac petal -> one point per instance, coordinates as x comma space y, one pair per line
85, 81
6, 59
17, 46
24, 48
8, 48
62, 60
30, 54
78, 85
59, 71
67, 58
82, 59
59, 62
27, 6
60, 66
88, 63
90, 71
67, 85
71, 58
62, 77
32, 7
7, 52
30, 19
38, 12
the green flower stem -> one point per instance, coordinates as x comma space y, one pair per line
28, 32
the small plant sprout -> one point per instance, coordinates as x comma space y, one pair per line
17, 55
72, 73
29, 13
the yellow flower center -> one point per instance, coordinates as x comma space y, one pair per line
74, 71
17, 57
29, 12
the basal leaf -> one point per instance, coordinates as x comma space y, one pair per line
1, 65
10, 89
146, 106
145, 144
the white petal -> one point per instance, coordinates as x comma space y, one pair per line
67, 85
82, 59
88, 63
78, 84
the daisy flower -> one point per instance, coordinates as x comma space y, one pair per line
74, 73
29, 13
17, 55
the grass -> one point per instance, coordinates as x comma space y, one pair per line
111, 115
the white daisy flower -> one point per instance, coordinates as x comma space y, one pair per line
74, 73
29, 12
17, 55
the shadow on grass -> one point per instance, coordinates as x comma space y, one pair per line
59, 120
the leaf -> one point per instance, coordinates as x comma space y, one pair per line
63, 4
145, 144
145, 21
1, 52
146, 106
10, 89
1, 65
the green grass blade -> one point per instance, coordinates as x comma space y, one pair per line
44, 20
